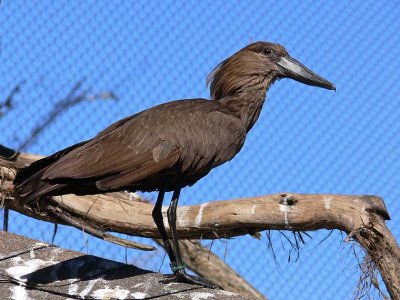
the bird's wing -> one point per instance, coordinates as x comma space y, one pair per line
142, 170
191, 134
127, 147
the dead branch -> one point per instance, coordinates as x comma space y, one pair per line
362, 217
196, 257
73, 98
8, 103
6, 106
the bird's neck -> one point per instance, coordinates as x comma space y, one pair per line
246, 105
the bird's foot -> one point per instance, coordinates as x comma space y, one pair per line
182, 276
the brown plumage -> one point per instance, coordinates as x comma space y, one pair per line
172, 145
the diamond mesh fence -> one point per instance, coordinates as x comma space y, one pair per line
120, 57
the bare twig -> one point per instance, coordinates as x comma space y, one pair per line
73, 98
8, 103
5, 107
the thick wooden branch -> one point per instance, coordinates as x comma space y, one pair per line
362, 217
198, 258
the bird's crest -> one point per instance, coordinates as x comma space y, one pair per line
247, 68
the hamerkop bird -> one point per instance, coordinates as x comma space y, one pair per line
172, 145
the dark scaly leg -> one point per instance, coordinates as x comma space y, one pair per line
171, 213
158, 219
177, 265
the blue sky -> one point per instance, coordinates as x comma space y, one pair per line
307, 140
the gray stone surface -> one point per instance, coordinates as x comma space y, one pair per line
34, 270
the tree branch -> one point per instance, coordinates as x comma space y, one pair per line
8, 103
198, 258
362, 217
73, 98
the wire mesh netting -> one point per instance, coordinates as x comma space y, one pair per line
117, 58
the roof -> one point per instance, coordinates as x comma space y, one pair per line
31, 269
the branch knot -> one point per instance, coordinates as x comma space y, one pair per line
287, 199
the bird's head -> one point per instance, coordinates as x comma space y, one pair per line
257, 66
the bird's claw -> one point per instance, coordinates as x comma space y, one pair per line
183, 277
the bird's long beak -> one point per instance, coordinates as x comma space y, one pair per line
293, 69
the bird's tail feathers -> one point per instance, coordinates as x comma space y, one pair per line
32, 188
29, 184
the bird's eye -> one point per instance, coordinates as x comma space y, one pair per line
266, 51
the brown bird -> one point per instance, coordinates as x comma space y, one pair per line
172, 145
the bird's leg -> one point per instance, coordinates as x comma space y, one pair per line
171, 213
158, 219
177, 265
